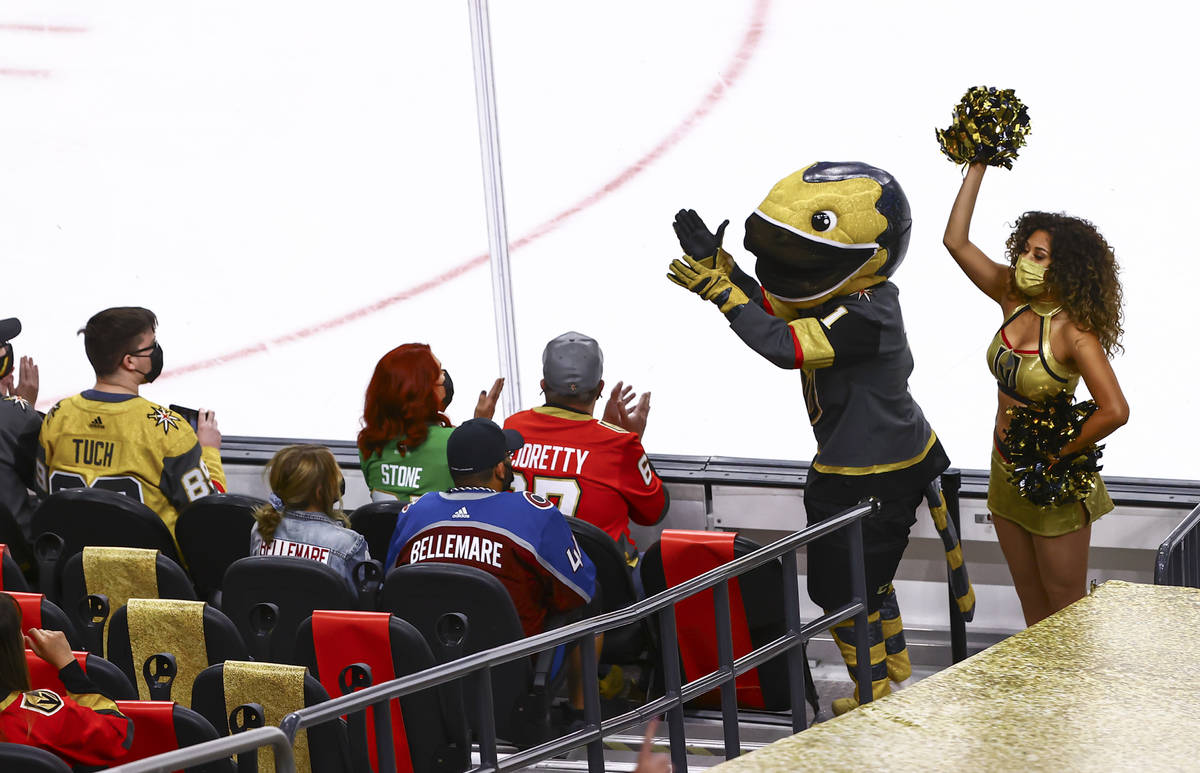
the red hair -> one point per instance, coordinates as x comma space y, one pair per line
400, 402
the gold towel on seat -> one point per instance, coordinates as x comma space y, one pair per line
120, 574
279, 689
168, 625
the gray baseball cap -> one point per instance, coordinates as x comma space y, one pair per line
572, 364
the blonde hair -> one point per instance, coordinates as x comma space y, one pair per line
304, 477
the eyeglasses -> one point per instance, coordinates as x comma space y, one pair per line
138, 352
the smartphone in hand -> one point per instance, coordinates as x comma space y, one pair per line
190, 414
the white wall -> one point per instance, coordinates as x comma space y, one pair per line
283, 178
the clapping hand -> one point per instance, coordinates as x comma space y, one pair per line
621, 411
695, 238
486, 407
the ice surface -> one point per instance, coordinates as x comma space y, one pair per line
292, 179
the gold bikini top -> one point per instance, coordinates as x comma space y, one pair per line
1029, 375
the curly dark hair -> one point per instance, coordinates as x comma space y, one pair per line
1082, 274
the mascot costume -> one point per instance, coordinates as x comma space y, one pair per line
826, 240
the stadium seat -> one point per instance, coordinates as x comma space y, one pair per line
164, 726
117, 575
107, 677
634, 643
11, 577
267, 597
461, 610
279, 690
213, 532
90, 516
194, 633
755, 598
18, 547
39, 612
429, 728
377, 521
30, 759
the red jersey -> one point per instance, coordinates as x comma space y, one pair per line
589, 468
83, 728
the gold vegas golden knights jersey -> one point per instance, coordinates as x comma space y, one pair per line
126, 444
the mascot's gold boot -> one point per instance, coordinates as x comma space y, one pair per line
843, 634
899, 667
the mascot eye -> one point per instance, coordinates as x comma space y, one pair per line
824, 220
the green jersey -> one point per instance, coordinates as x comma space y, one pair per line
407, 477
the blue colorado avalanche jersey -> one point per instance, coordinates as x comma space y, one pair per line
520, 538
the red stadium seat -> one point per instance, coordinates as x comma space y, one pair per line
107, 677
164, 726
756, 612
39, 612
428, 728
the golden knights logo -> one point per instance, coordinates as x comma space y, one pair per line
163, 418
42, 701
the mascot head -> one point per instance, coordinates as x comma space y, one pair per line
829, 229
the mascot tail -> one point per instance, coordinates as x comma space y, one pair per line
960, 584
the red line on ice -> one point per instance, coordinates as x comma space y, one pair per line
19, 72
27, 27
725, 82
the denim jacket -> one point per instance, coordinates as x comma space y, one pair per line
314, 536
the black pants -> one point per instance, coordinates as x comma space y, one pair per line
885, 536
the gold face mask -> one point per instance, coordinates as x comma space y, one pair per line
1030, 278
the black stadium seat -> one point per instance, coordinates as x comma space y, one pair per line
431, 724
168, 581
11, 577
634, 643
162, 626
213, 532
30, 759
295, 587
90, 516
328, 749
461, 610
377, 522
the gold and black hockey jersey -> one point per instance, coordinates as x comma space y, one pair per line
126, 444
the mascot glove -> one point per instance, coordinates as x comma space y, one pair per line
710, 283
694, 237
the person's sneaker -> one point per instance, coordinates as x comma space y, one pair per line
613, 683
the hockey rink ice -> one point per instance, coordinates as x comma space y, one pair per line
296, 188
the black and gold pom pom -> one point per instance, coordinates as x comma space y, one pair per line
989, 126
1037, 433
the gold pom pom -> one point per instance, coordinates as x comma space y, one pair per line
989, 125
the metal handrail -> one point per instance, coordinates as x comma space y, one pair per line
584, 632
677, 694
1178, 559
222, 748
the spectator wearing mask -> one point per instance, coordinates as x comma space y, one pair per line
402, 444
109, 437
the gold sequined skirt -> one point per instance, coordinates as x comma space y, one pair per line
1005, 500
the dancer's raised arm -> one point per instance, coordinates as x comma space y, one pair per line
987, 274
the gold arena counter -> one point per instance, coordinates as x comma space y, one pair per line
1112, 682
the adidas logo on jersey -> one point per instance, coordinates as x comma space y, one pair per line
96, 423
461, 513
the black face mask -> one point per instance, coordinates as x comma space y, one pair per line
156, 362
342, 486
448, 385
509, 476
8, 359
